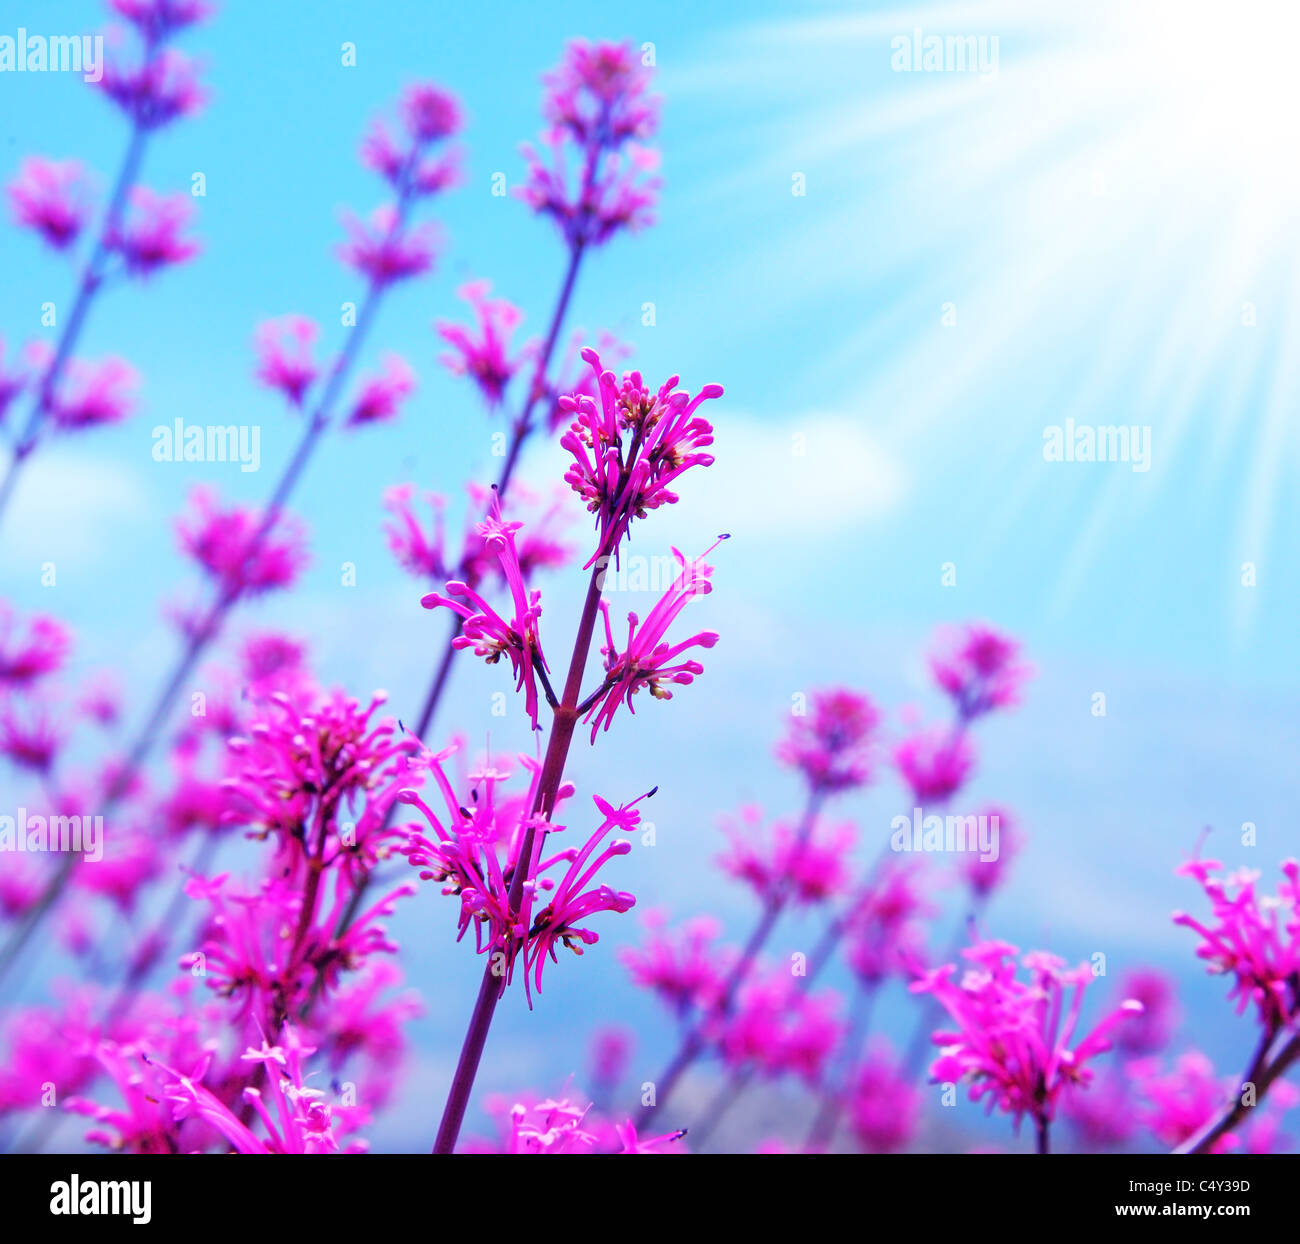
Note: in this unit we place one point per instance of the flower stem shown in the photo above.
(548, 784)
(1043, 1140)
(694, 1043)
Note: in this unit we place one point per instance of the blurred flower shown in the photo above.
(883, 1106)
(483, 355)
(979, 668)
(51, 197)
(94, 394)
(232, 548)
(381, 395)
(1013, 1041)
(831, 745)
(885, 936)
(284, 348)
(983, 876)
(1254, 939)
(157, 18)
(158, 90)
(807, 863)
(150, 238)
(385, 250)
(32, 650)
(935, 763)
(687, 969)
(1150, 1032)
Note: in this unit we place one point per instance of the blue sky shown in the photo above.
(1092, 222)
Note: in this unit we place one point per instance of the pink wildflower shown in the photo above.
(1150, 1032)
(831, 745)
(94, 394)
(383, 394)
(980, 669)
(686, 969)
(156, 18)
(230, 546)
(430, 113)
(50, 197)
(885, 935)
(151, 237)
(1254, 939)
(419, 552)
(30, 652)
(284, 348)
(935, 763)
(983, 876)
(808, 867)
(485, 630)
(483, 355)
(630, 447)
(884, 1107)
(646, 660)
(383, 249)
(1015, 1042)
(156, 91)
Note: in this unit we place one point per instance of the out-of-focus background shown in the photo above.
(909, 276)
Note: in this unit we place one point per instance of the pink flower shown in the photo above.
(979, 668)
(30, 652)
(31, 735)
(430, 113)
(157, 91)
(611, 1047)
(646, 660)
(808, 867)
(284, 349)
(156, 18)
(884, 1107)
(485, 630)
(596, 103)
(1015, 1041)
(1179, 1103)
(483, 356)
(50, 197)
(620, 481)
(779, 1029)
(831, 745)
(686, 969)
(418, 552)
(385, 250)
(1150, 1032)
(94, 394)
(130, 861)
(885, 935)
(935, 763)
(1253, 939)
(233, 549)
(984, 876)
(550, 1126)
(383, 394)
(150, 238)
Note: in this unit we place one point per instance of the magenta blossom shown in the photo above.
(884, 925)
(1252, 938)
(230, 546)
(808, 866)
(483, 354)
(30, 651)
(150, 238)
(382, 395)
(778, 1029)
(94, 394)
(156, 18)
(383, 249)
(831, 744)
(1015, 1041)
(1150, 1032)
(646, 660)
(980, 669)
(935, 763)
(687, 969)
(485, 630)
(155, 91)
(984, 876)
(630, 446)
(884, 1106)
(597, 104)
(284, 355)
(50, 197)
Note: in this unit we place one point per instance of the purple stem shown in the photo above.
(694, 1042)
(557, 751)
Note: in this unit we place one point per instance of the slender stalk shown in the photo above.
(209, 628)
(564, 720)
(1262, 1075)
(1041, 1129)
(693, 1043)
(732, 1088)
(92, 279)
(835, 1093)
